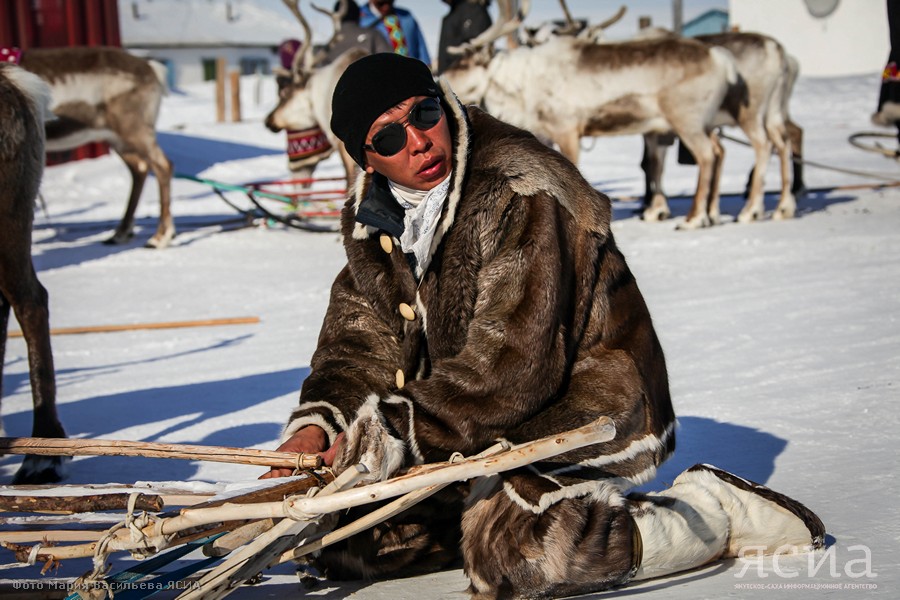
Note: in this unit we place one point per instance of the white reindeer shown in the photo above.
(304, 104)
(23, 104)
(106, 94)
(568, 88)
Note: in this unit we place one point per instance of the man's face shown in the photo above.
(423, 161)
(383, 6)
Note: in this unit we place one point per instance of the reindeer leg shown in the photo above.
(4, 323)
(162, 169)
(715, 216)
(28, 298)
(787, 204)
(138, 169)
(656, 206)
(795, 135)
(570, 145)
(701, 146)
(754, 209)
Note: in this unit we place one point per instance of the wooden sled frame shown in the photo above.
(260, 530)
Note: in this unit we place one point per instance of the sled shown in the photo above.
(245, 534)
(295, 203)
(870, 142)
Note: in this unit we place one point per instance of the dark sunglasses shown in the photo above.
(391, 138)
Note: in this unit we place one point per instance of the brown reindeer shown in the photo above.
(108, 95)
(569, 88)
(23, 102)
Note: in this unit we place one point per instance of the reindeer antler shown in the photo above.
(337, 18)
(501, 27)
(303, 59)
(571, 27)
(593, 30)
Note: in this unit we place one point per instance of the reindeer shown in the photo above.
(304, 104)
(106, 94)
(568, 88)
(758, 105)
(23, 103)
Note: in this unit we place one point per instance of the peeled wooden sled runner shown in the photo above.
(249, 533)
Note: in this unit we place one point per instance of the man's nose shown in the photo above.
(418, 139)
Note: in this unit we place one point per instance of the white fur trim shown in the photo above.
(648, 443)
(386, 457)
(313, 419)
(411, 439)
(605, 491)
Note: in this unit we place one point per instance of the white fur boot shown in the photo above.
(710, 514)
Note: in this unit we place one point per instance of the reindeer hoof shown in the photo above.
(119, 238)
(694, 223)
(784, 212)
(655, 215)
(160, 240)
(749, 216)
(38, 470)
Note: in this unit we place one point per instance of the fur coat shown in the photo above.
(526, 323)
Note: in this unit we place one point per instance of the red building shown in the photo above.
(28, 24)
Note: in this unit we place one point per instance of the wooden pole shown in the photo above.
(78, 504)
(92, 447)
(138, 326)
(235, 96)
(220, 90)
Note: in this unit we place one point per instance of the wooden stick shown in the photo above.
(138, 326)
(92, 447)
(122, 538)
(78, 504)
(378, 515)
(301, 508)
(601, 430)
(255, 556)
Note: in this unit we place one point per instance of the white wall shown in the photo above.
(189, 61)
(852, 40)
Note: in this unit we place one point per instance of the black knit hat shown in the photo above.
(368, 88)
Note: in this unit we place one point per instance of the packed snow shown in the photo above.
(782, 338)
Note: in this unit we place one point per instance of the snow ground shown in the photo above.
(782, 338)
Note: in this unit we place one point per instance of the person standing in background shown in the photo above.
(354, 35)
(397, 25)
(466, 19)
(888, 113)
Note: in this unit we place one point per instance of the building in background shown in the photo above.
(188, 36)
(712, 21)
(830, 38)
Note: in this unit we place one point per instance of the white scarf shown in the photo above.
(423, 208)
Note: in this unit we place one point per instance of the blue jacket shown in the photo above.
(415, 41)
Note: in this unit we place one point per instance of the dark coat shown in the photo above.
(527, 321)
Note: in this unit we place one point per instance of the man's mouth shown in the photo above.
(432, 167)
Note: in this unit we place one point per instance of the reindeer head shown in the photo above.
(299, 110)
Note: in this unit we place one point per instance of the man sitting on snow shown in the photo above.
(484, 298)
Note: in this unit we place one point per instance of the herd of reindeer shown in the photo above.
(561, 83)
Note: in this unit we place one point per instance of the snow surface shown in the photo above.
(782, 338)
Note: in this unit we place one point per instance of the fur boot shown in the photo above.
(710, 514)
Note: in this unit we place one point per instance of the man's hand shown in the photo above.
(310, 439)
